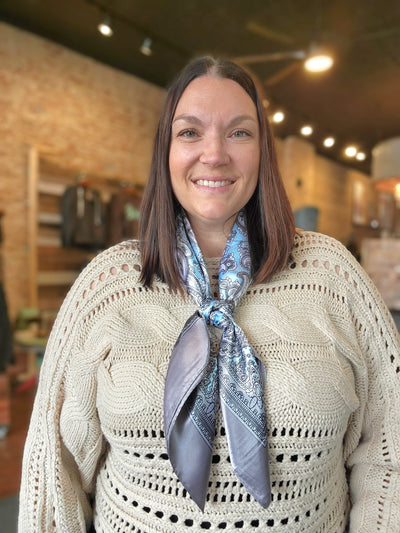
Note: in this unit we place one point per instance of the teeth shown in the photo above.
(207, 183)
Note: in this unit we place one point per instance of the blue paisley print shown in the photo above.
(199, 379)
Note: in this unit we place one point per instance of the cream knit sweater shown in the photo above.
(96, 447)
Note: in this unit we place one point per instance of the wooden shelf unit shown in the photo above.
(53, 267)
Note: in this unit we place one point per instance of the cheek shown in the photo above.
(177, 172)
(179, 162)
(253, 168)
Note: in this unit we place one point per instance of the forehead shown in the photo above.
(210, 93)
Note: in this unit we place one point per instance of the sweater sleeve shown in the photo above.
(64, 441)
(374, 461)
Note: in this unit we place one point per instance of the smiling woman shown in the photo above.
(214, 157)
(225, 373)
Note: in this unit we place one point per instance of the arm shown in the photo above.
(375, 459)
(64, 441)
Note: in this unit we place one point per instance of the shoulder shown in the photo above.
(109, 272)
(319, 248)
(324, 260)
(118, 265)
(311, 242)
(125, 254)
(319, 258)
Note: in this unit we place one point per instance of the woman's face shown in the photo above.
(215, 152)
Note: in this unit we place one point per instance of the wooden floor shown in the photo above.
(12, 445)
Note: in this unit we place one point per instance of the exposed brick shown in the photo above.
(94, 118)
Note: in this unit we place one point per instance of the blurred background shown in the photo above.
(82, 84)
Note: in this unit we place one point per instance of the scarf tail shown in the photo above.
(249, 457)
(188, 451)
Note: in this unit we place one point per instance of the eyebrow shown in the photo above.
(196, 120)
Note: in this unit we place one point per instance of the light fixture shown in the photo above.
(318, 59)
(360, 156)
(104, 26)
(306, 130)
(329, 142)
(386, 167)
(278, 116)
(397, 194)
(146, 47)
(351, 151)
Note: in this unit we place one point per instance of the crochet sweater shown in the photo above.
(96, 448)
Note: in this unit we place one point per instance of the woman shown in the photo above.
(228, 373)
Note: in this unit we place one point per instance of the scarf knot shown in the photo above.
(218, 313)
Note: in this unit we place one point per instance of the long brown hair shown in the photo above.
(270, 222)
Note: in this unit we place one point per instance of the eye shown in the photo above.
(240, 133)
(187, 133)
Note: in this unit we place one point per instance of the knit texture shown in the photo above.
(96, 445)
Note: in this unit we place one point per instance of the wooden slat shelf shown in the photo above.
(53, 267)
(50, 219)
(51, 188)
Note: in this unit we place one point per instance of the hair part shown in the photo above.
(270, 221)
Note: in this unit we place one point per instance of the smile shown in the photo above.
(213, 183)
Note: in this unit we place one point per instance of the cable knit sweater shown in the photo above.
(96, 449)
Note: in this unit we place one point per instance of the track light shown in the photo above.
(105, 26)
(329, 142)
(146, 47)
(318, 59)
(351, 151)
(306, 130)
(278, 116)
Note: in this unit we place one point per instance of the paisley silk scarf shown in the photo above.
(198, 379)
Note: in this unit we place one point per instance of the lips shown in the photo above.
(212, 183)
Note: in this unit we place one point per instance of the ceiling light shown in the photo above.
(306, 130)
(146, 47)
(277, 117)
(105, 27)
(329, 142)
(318, 63)
(351, 151)
(318, 59)
(361, 156)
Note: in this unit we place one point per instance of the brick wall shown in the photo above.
(94, 118)
(311, 179)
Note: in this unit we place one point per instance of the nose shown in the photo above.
(214, 151)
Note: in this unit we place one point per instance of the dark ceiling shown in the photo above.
(357, 101)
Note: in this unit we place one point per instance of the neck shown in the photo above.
(212, 240)
(211, 245)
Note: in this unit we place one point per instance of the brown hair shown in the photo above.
(270, 222)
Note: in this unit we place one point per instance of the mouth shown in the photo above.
(212, 183)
